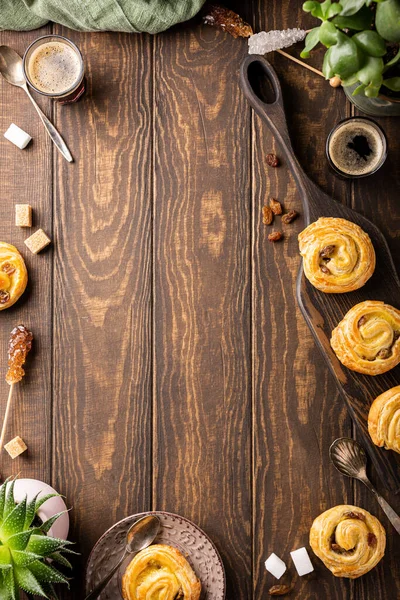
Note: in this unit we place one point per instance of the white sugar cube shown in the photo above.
(17, 136)
(275, 566)
(302, 561)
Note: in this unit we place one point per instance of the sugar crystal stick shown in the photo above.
(18, 347)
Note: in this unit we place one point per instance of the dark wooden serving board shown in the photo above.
(322, 311)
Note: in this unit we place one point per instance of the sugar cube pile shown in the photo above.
(302, 561)
(17, 136)
(275, 566)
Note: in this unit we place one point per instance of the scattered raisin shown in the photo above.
(276, 206)
(384, 353)
(268, 215)
(4, 297)
(8, 268)
(279, 590)
(362, 321)
(339, 549)
(355, 515)
(227, 20)
(325, 270)
(327, 251)
(272, 160)
(371, 539)
(275, 236)
(289, 217)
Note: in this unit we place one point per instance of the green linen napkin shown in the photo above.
(133, 16)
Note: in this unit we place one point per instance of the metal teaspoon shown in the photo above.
(350, 459)
(140, 535)
(12, 71)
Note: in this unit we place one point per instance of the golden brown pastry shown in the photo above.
(13, 275)
(160, 572)
(367, 338)
(349, 540)
(384, 420)
(338, 256)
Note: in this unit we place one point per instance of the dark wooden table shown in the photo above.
(172, 368)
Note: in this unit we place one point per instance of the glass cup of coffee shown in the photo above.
(53, 66)
(356, 147)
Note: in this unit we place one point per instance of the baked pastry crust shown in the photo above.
(348, 539)
(338, 256)
(13, 275)
(384, 420)
(160, 571)
(367, 339)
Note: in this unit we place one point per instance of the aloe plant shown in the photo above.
(27, 554)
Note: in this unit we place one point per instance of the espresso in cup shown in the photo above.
(356, 147)
(53, 66)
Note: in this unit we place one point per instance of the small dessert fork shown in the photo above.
(350, 459)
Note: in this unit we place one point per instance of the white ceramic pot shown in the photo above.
(31, 487)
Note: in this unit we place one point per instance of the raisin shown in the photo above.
(371, 539)
(8, 268)
(289, 217)
(327, 251)
(276, 206)
(362, 321)
(275, 236)
(355, 515)
(384, 353)
(268, 215)
(325, 269)
(272, 160)
(4, 297)
(279, 590)
(339, 549)
(226, 20)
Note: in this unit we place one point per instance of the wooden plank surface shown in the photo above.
(102, 282)
(202, 409)
(173, 369)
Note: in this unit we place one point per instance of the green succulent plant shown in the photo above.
(361, 37)
(27, 553)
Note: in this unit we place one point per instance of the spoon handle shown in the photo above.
(104, 582)
(387, 509)
(51, 130)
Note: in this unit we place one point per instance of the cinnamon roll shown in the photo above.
(384, 420)
(348, 539)
(367, 338)
(338, 256)
(160, 572)
(13, 275)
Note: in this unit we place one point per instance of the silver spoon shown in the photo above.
(139, 536)
(12, 71)
(350, 459)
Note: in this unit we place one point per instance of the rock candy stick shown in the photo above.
(18, 348)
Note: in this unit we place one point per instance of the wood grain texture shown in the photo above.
(202, 411)
(26, 177)
(296, 408)
(102, 282)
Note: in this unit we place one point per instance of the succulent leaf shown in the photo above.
(19, 541)
(9, 503)
(43, 545)
(15, 521)
(10, 585)
(47, 525)
(5, 557)
(30, 512)
(3, 489)
(47, 574)
(60, 559)
(23, 559)
(44, 499)
(27, 581)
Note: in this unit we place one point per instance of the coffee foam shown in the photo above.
(346, 159)
(54, 67)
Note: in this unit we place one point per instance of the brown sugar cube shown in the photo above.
(23, 215)
(16, 447)
(37, 241)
